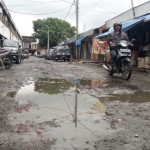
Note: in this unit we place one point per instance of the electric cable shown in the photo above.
(97, 11)
(33, 4)
(92, 5)
(38, 14)
(101, 6)
(69, 108)
(69, 9)
(47, 2)
(37, 1)
(47, 7)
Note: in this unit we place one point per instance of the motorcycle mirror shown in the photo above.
(133, 40)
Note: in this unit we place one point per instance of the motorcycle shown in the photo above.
(123, 62)
(6, 58)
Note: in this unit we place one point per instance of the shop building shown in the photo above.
(29, 43)
(8, 29)
(82, 47)
(139, 29)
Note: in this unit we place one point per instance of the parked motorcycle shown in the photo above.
(123, 61)
(6, 58)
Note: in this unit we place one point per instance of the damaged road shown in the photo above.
(37, 101)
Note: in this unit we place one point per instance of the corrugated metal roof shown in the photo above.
(126, 26)
(147, 18)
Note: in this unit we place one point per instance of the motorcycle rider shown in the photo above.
(114, 38)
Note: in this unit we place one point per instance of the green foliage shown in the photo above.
(59, 31)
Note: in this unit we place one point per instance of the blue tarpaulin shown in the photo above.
(78, 42)
(126, 26)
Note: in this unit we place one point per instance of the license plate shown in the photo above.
(125, 50)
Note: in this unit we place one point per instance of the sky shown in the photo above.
(92, 13)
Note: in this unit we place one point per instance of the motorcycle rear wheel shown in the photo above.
(127, 70)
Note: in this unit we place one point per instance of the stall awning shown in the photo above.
(147, 18)
(78, 42)
(125, 26)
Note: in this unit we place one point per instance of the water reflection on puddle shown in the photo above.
(41, 86)
(137, 97)
(47, 100)
(100, 84)
(90, 83)
(114, 91)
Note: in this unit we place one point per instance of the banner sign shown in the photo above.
(99, 47)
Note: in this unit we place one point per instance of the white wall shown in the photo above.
(4, 31)
(34, 45)
(139, 11)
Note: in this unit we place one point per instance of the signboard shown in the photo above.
(99, 46)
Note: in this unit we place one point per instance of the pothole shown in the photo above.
(46, 108)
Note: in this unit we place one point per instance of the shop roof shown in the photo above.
(127, 26)
(129, 15)
(147, 18)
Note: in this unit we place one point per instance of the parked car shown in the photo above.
(25, 54)
(61, 53)
(42, 54)
(48, 54)
(14, 48)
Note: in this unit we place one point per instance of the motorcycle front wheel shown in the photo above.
(127, 70)
(8, 64)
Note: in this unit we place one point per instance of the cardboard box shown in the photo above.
(147, 66)
(134, 61)
(141, 62)
(147, 62)
(134, 54)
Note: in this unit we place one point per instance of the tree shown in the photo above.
(59, 31)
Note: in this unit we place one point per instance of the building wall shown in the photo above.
(34, 45)
(4, 31)
(128, 15)
(29, 42)
(7, 27)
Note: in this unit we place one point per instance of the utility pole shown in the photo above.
(77, 23)
(48, 40)
(133, 8)
(77, 17)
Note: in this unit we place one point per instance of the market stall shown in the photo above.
(141, 51)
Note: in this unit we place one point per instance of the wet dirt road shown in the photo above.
(37, 105)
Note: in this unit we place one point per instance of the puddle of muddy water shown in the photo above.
(82, 83)
(115, 91)
(44, 104)
(137, 97)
